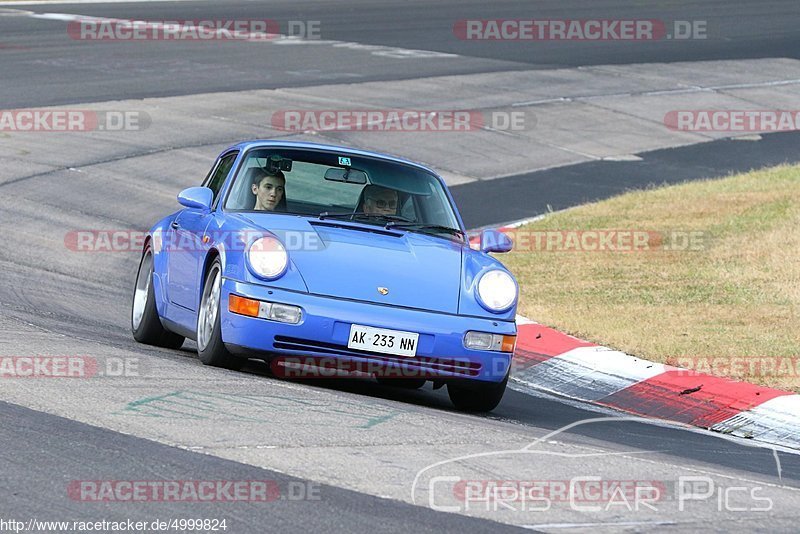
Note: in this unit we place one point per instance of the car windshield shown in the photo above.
(327, 185)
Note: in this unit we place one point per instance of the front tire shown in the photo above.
(146, 327)
(477, 398)
(210, 347)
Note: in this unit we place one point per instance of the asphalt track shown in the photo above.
(48, 68)
(487, 203)
(26, 434)
(363, 443)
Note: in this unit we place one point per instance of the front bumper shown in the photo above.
(324, 330)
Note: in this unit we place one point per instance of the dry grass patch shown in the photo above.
(735, 299)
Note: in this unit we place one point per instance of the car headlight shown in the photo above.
(267, 258)
(497, 291)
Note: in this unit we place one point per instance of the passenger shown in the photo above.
(269, 189)
(380, 200)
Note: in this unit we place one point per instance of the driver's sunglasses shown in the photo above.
(381, 203)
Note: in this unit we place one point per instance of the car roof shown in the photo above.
(266, 143)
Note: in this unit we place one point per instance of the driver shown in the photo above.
(268, 189)
(380, 201)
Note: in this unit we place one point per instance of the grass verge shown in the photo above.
(714, 285)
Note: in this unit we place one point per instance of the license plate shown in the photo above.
(382, 340)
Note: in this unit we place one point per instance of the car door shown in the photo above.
(188, 253)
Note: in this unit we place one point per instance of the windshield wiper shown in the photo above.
(424, 226)
(352, 215)
(336, 215)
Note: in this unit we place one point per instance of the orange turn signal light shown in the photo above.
(243, 306)
(509, 343)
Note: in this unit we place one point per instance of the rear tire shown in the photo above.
(477, 398)
(210, 347)
(146, 326)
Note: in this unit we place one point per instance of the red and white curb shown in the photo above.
(555, 362)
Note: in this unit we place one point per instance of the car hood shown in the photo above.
(353, 261)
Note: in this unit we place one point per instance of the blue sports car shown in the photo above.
(317, 257)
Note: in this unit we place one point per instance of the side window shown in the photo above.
(217, 177)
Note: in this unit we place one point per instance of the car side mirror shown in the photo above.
(198, 198)
(495, 241)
